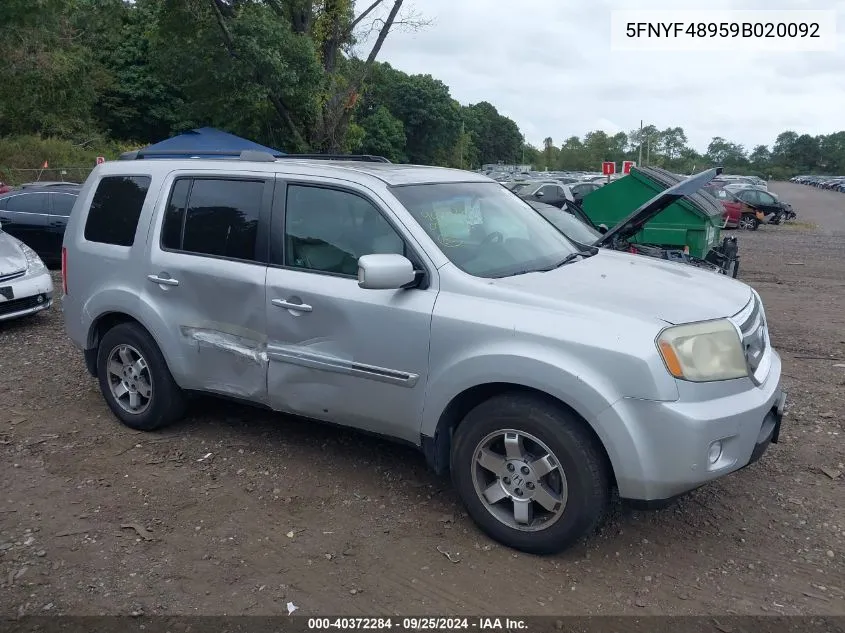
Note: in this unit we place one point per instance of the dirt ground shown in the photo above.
(239, 511)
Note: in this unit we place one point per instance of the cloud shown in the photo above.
(547, 64)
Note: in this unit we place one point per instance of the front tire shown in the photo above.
(529, 473)
(748, 222)
(135, 380)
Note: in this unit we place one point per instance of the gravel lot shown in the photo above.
(240, 511)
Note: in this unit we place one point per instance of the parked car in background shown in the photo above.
(555, 194)
(25, 283)
(427, 305)
(732, 206)
(37, 215)
(4, 188)
(772, 209)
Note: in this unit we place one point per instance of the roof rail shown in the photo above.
(249, 155)
(364, 158)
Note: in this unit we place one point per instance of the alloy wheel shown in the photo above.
(129, 379)
(519, 480)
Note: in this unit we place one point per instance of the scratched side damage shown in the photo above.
(243, 356)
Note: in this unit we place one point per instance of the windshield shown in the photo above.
(484, 229)
(568, 224)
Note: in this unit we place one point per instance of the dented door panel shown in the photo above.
(358, 358)
(217, 320)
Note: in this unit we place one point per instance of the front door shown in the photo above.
(25, 217)
(348, 355)
(206, 277)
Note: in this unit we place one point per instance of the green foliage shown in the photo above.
(382, 135)
(50, 81)
(22, 157)
(77, 73)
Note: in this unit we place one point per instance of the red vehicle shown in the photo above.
(4, 188)
(732, 206)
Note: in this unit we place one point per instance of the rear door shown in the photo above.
(351, 356)
(205, 276)
(61, 204)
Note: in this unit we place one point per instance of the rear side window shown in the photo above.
(216, 217)
(115, 210)
(63, 203)
(29, 203)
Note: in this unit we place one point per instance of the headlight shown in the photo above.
(702, 352)
(33, 261)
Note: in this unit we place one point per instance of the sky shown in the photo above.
(548, 65)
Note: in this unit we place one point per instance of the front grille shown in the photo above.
(755, 337)
(17, 305)
(10, 276)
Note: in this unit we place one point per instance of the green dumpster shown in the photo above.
(694, 221)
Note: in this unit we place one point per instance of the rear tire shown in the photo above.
(135, 380)
(545, 482)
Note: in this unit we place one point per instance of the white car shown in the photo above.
(25, 283)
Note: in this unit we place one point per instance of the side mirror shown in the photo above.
(539, 194)
(384, 271)
(603, 228)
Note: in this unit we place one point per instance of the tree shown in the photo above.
(672, 141)
(726, 154)
(286, 54)
(496, 137)
(382, 135)
(431, 118)
(50, 80)
(760, 158)
(572, 154)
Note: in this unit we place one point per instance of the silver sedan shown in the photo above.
(25, 283)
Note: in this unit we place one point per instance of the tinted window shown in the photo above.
(550, 191)
(29, 203)
(328, 230)
(220, 219)
(174, 216)
(115, 209)
(62, 203)
(765, 198)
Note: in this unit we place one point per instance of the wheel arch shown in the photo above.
(107, 320)
(437, 448)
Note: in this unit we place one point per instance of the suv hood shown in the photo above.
(644, 287)
(12, 259)
(632, 224)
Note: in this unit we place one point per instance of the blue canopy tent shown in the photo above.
(207, 142)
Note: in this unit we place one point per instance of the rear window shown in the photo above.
(115, 209)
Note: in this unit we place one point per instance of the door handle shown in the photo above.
(165, 281)
(300, 307)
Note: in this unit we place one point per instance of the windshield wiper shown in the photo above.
(566, 260)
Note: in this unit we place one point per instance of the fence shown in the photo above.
(17, 176)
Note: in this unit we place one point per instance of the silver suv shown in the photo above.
(429, 305)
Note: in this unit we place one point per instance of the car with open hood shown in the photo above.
(428, 305)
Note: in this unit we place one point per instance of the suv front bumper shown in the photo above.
(660, 450)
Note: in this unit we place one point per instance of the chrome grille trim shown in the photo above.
(754, 331)
(10, 276)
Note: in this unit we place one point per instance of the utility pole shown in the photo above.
(640, 160)
(462, 144)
